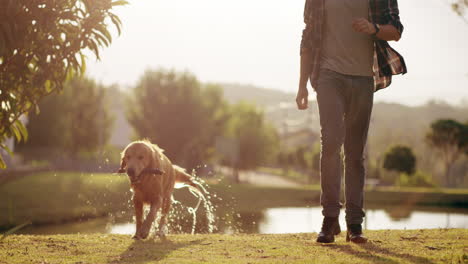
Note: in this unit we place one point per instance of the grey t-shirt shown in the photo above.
(345, 50)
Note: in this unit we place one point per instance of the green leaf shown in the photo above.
(74, 62)
(48, 86)
(7, 149)
(83, 63)
(101, 39)
(116, 18)
(119, 3)
(94, 48)
(15, 132)
(103, 30)
(70, 73)
(24, 132)
(116, 21)
(2, 162)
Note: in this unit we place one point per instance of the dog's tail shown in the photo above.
(181, 176)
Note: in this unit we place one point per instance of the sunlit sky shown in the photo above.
(257, 42)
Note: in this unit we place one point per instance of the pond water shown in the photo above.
(286, 220)
(299, 220)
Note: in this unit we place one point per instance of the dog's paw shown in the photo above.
(161, 235)
(162, 232)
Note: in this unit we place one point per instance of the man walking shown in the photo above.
(345, 54)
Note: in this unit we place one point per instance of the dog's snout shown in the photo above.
(131, 172)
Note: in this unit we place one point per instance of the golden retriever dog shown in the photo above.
(152, 177)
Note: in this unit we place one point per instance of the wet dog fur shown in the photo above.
(139, 159)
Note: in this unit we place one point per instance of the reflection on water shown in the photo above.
(126, 228)
(277, 220)
(299, 220)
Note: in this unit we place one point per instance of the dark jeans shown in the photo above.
(345, 106)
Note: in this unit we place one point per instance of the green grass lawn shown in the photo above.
(389, 247)
(290, 174)
(59, 197)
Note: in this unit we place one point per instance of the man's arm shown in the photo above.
(386, 32)
(302, 93)
(305, 67)
(306, 52)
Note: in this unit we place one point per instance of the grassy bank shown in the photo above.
(290, 174)
(48, 198)
(418, 246)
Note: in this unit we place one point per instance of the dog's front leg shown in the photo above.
(138, 205)
(146, 227)
(166, 206)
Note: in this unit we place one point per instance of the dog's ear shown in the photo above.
(123, 165)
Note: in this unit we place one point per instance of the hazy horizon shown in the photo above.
(257, 43)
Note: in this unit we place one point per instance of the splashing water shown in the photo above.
(204, 197)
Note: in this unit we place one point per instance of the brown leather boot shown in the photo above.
(354, 234)
(330, 228)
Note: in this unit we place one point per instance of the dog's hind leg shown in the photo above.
(146, 227)
(166, 206)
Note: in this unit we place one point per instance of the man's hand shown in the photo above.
(302, 98)
(362, 25)
(386, 32)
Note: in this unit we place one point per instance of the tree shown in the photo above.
(41, 45)
(282, 160)
(74, 121)
(450, 138)
(400, 158)
(176, 112)
(300, 158)
(258, 141)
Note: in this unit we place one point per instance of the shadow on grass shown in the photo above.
(143, 251)
(374, 253)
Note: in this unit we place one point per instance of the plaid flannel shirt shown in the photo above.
(387, 61)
